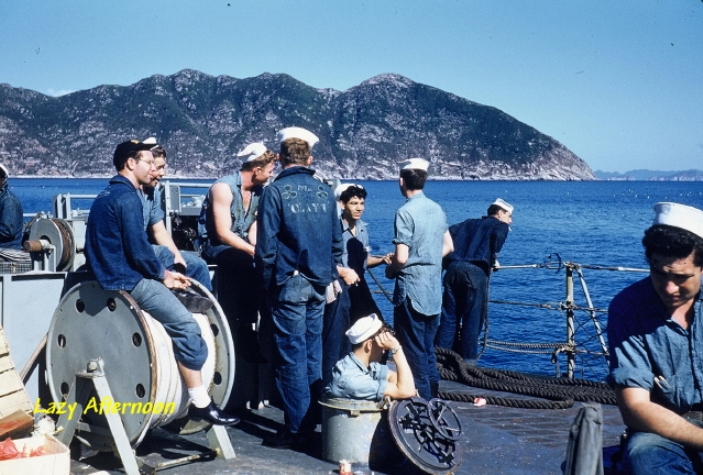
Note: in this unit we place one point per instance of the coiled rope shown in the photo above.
(555, 393)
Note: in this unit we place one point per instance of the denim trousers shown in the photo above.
(196, 268)
(416, 333)
(649, 453)
(463, 309)
(188, 346)
(335, 323)
(297, 311)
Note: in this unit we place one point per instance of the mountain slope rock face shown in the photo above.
(203, 121)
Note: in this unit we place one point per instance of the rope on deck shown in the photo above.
(555, 393)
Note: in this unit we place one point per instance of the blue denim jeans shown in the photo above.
(188, 346)
(297, 316)
(649, 453)
(196, 268)
(336, 321)
(416, 332)
(463, 309)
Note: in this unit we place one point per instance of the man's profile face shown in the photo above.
(144, 169)
(353, 209)
(676, 281)
(159, 172)
(505, 216)
(263, 174)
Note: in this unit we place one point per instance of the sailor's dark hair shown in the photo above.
(414, 179)
(493, 210)
(669, 241)
(353, 192)
(158, 151)
(294, 151)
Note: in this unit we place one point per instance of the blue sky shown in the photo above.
(619, 82)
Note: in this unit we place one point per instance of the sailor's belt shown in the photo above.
(696, 413)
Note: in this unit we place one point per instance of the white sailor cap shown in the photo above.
(151, 141)
(342, 188)
(364, 328)
(297, 133)
(414, 163)
(252, 151)
(679, 216)
(5, 173)
(504, 204)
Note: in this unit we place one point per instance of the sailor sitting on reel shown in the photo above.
(119, 255)
(361, 375)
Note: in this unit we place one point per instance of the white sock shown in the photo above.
(198, 396)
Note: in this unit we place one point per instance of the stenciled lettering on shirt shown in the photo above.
(308, 208)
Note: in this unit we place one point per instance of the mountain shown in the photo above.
(651, 175)
(203, 121)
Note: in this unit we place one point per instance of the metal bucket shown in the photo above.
(354, 430)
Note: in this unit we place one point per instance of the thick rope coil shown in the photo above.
(557, 393)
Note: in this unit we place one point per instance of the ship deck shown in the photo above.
(495, 440)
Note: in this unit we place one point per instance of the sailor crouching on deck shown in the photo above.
(361, 375)
(655, 335)
(121, 258)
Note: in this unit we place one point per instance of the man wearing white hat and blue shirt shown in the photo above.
(227, 237)
(421, 241)
(655, 335)
(299, 246)
(360, 374)
(468, 269)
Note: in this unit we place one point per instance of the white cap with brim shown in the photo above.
(341, 189)
(252, 151)
(151, 141)
(3, 170)
(679, 216)
(364, 328)
(415, 164)
(297, 133)
(504, 204)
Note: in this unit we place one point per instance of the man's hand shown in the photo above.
(178, 259)
(175, 280)
(348, 275)
(387, 341)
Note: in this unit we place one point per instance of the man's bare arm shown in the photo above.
(640, 413)
(221, 200)
(447, 244)
(399, 385)
(162, 237)
(400, 258)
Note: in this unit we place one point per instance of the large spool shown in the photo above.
(138, 361)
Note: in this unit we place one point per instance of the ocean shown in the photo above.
(594, 224)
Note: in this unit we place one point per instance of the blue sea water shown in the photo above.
(588, 223)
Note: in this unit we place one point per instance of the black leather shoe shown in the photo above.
(213, 414)
(284, 439)
(193, 302)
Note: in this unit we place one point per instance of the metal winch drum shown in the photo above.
(137, 359)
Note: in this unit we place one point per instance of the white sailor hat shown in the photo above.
(364, 328)
(252, 151)
(151, 141)
(342, 188)
(3, 170)
(414, 163)
(504, 204)
(297, 133)
(679, 216)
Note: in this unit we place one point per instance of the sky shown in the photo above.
(618, 82)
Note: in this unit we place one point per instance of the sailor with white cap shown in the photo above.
(360, 374)
(655, 336)
(477, 243)
(11, 220)
(421, 240)
(299, 245)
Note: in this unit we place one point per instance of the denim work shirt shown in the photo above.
(151, 203)
(242, 218)
(11, 220)
(420, 224)
(477, 241)
(352, 380)
(644, 343)
(356, 248)
(116, 247)
(298, 230)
